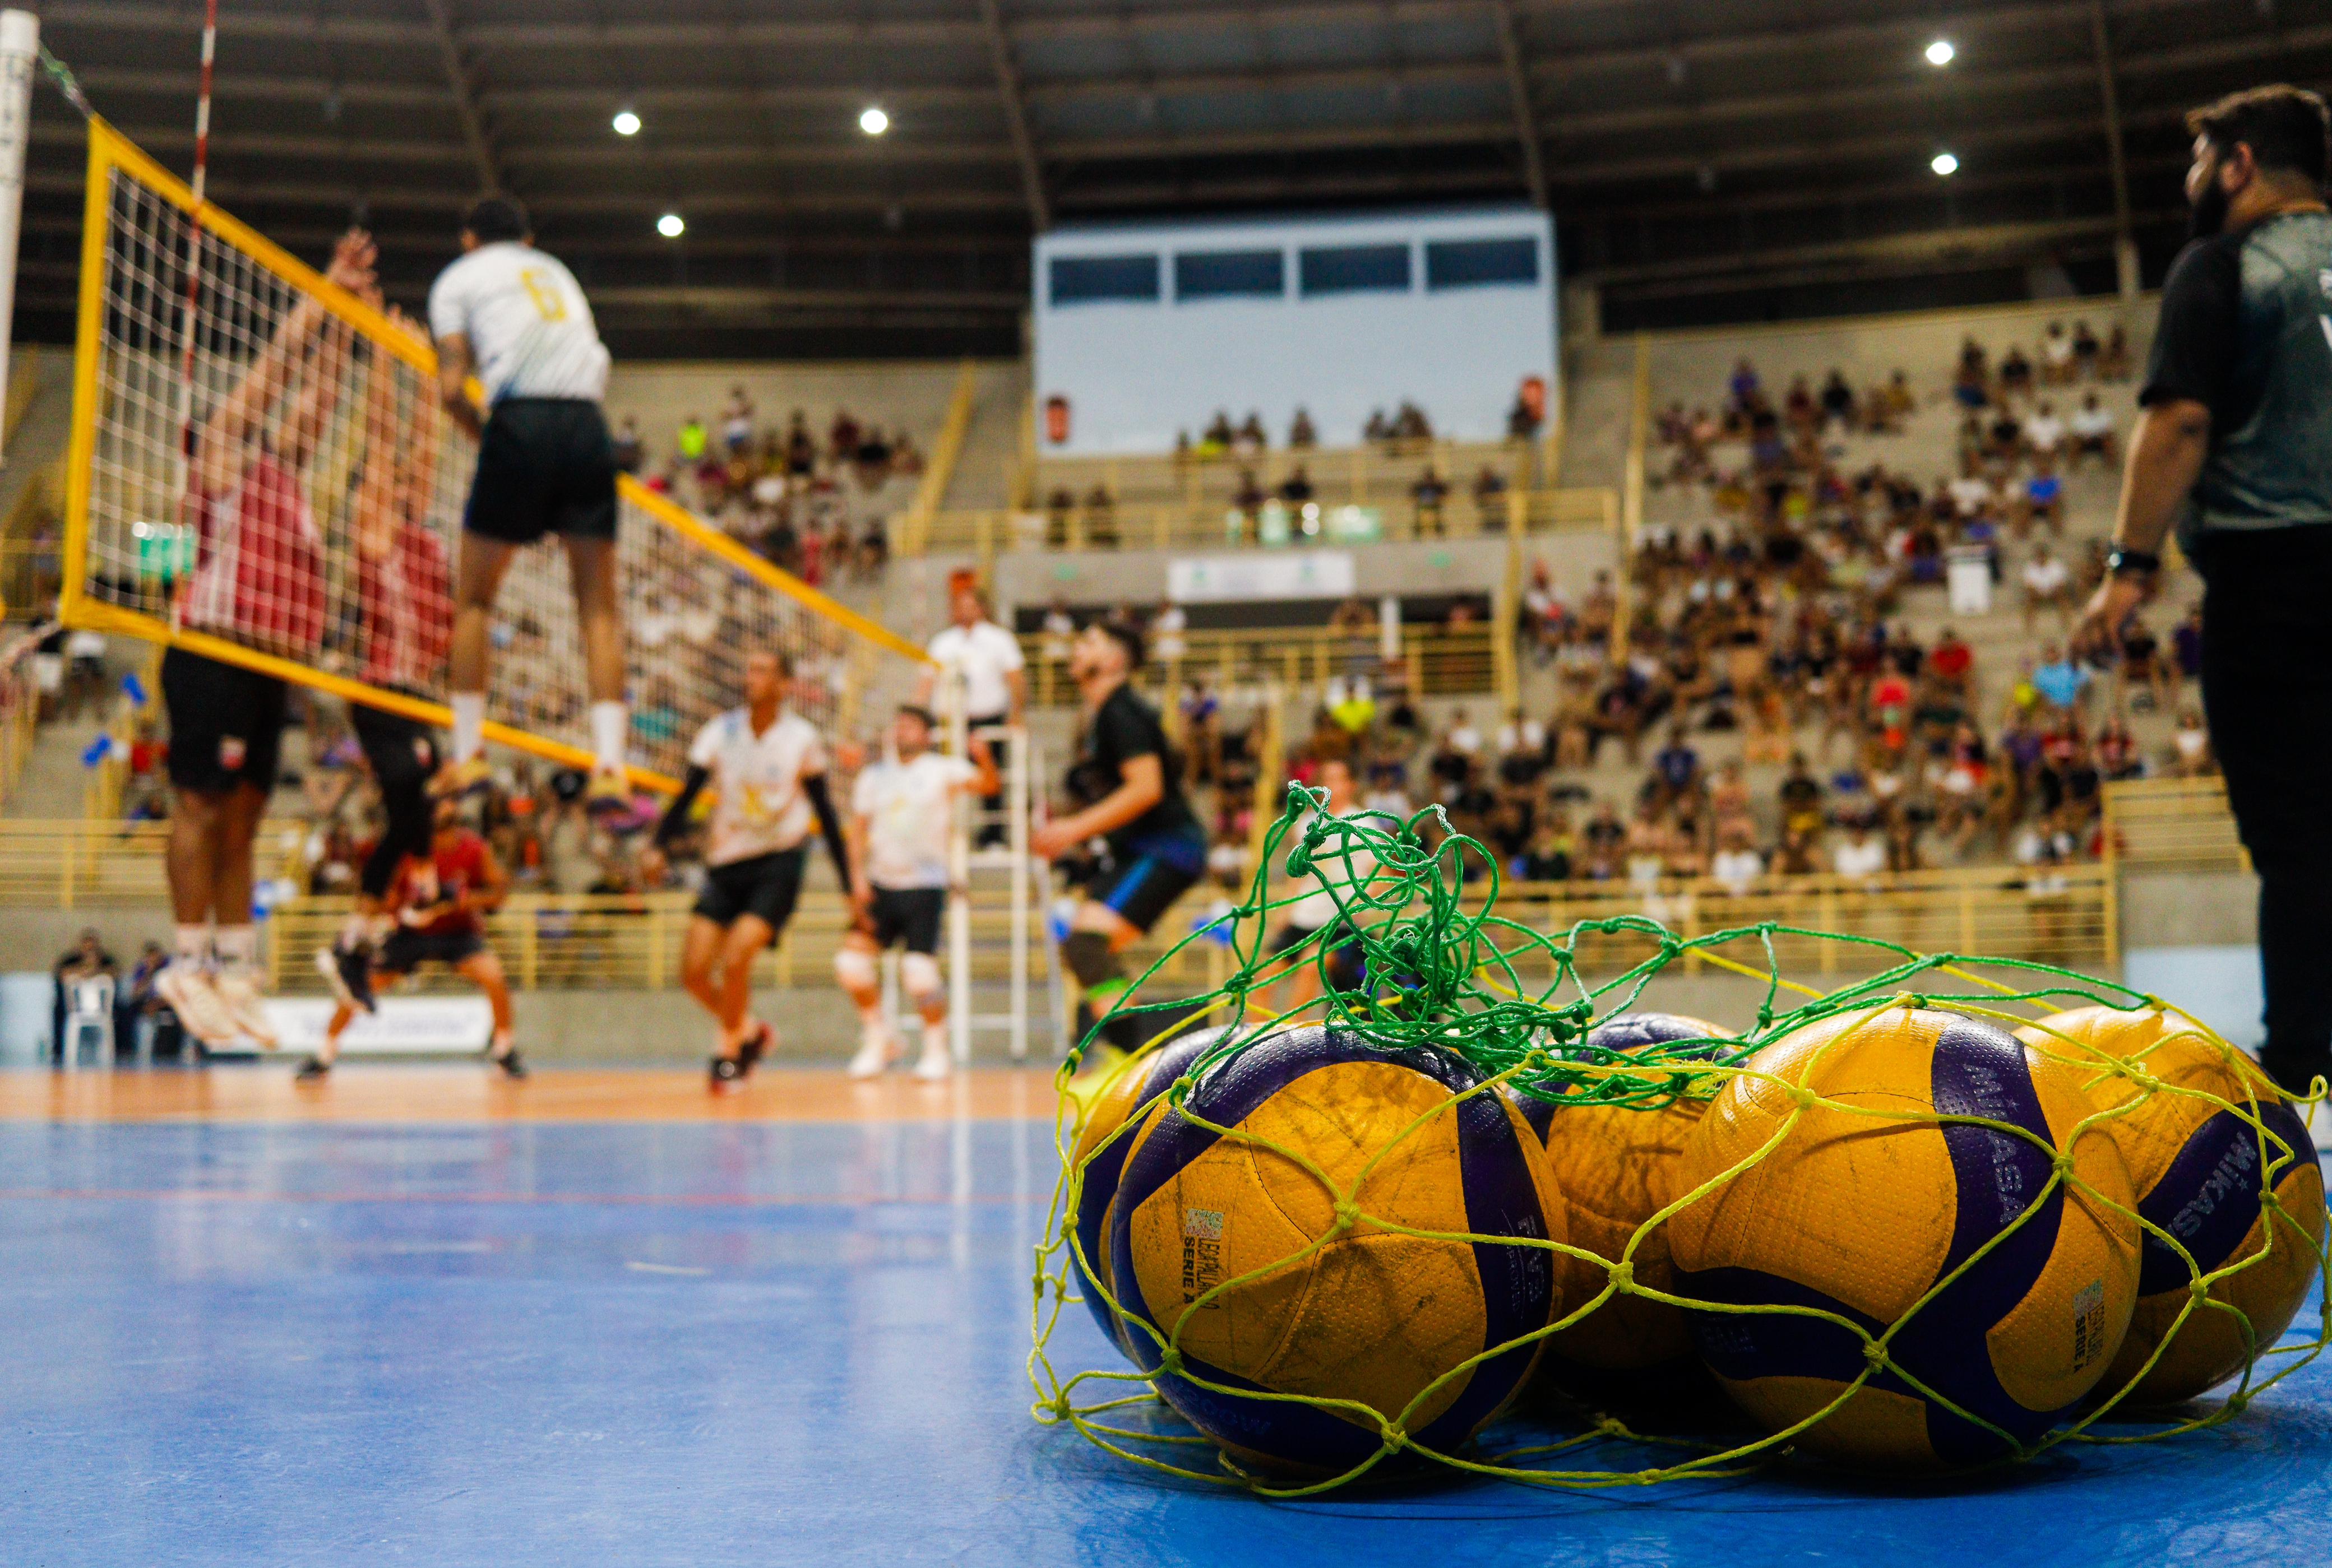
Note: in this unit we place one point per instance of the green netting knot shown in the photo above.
(1804, 1098)
(1170, 1362)
(2063, 1164)
(2198, 1286)
(1348, 1213)
(1873, 1351)
(1623, 1274)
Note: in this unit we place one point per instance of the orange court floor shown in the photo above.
(365, 1092)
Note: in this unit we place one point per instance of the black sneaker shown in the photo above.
(349, 972)
(726, 1071)
(513, 1065)
(315, 1070)
(754, 1046)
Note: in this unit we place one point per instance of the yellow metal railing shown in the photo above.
(2166, 824)
(1383, 471)
(1438, 661)
(939, 471)
(69, 862)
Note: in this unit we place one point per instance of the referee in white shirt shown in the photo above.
(987, 657)
(517, 319)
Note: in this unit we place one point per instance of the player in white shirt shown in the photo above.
(517, 319)
(899, 826)
(766, 768)
(987, 659)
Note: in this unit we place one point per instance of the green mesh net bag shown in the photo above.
(1418, 1191)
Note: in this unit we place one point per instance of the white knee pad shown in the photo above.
(855, 967)
(919, 976)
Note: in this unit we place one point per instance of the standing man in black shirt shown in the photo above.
(2233, 445)
(1130, 784)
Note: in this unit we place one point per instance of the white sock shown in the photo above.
(356, 928)
(872, 1030)
(611, 731)
(469, 724)
(191, 947)
(237, 947)
(935, 1037)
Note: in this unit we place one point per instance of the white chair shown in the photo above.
(89, 1015)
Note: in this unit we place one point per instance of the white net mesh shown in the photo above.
(269, 468)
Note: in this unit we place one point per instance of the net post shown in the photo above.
(1016, 806)
(20, 51)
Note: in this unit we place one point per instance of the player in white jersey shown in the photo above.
(898, 827)
(517, 319)
(767, 768)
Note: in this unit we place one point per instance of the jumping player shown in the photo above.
(404, 597)
(1157, 850)
(768, 770)
(899, 822)
(546, 465)
(440, 898)
(259, 581)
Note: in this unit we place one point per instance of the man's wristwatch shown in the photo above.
(2134, 563)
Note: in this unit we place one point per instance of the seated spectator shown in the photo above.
(2191, 746)
(906, 458)
(1552, 851)
(2113, 359)
(1490, 497)
(691, 440)
(1800, 796)
(1429, 491)
(2040, 498)
(1456, 749)
(1862, 855)
(1249, 439)
(1378, 430)
(1301, 436)
(1101, 517)
(2062, 682)
(1297, 488)
(2044, 432)
(1522, 750)
(1058, 630)
(2092, 430)
(737, 423)
(2015, 372)
(2056, 355)
(1837, 401)
(1950, 660)
(801, 448)
(1972, 379)
(1743, 387)
(1736, 865)
(2047, 582)
(1167, 629)
(1677, 767)
(841, 437)
(631, 450)
(86, 959)
(2085, 349)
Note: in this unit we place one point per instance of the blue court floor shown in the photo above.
(696, 1344)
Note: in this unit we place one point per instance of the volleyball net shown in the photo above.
(261, 473)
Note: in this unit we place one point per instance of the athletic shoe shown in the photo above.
(755, 1046)
(201, 1010)
(726, 1071)
(609, 795)
(315, 1070)
(875, 1052)
(935, 1064)
(241, 993)
(513, 1065)
(475, 776)
(349, 972)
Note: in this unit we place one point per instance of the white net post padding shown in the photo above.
(314, 532)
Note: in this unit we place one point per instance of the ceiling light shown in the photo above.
(671, 226)
(1940, 51)
(1944, 163)
(626, 123)
(873, 121)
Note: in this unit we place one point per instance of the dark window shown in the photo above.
(1473, 264)
(1081, 280)
(1220, 275)
(1350, 269)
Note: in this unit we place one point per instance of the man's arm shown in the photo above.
(2166, 449)
(1142, 786)
(240, 414)
(829, 827)
(985, 780)
(455, 364)
(487, 898)
(1016, 679)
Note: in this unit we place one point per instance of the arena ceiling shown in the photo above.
(1706, 160)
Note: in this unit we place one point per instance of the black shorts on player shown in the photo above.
(546, 465)
(766, 886)
(226, 724)
(407, 950)
(1141, 888)
(909, 917)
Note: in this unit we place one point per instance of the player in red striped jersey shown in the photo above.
(259, 583)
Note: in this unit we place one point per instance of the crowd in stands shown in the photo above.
(813, 505)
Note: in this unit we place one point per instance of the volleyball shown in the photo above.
(2198, 1168)
(1864, 1204)
(1616, 1166)
(1101, 1156)
(1267, 1258)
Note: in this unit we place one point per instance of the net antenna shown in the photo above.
(194, 263)
(20, 52)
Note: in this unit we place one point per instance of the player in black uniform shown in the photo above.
(1157, 850)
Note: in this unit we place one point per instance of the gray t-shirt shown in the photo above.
(2246, 331)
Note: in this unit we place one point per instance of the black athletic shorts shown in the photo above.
(406, 950)
(545, 466)
(766, 885)
(909, 916)
(1345, 967)
(1143, 889)
(226, 723)
(403, 752)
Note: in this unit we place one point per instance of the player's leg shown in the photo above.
(1117, 911)
(403, 754)
(478, 581)
(596, 574)
(397, 957)
(483, 969)
(744, 1039)
(857, 968)
(700, 954)
(919, 978)
(256, 707)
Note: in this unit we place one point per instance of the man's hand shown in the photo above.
(2109, 608)
(862, 893)
(1054, 839)
(653, 866)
